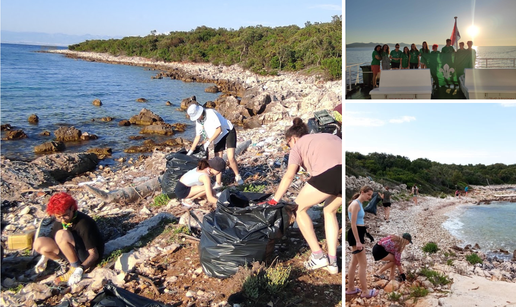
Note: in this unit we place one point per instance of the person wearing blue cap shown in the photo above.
(389, 249)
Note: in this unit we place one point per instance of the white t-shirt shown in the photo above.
(213, 120)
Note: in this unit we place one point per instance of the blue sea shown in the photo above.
(491, 226)
(363, 55)
(60, 92)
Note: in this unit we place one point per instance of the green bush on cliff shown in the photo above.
(432, 178)
(431, 248)
(263, 50)
(474, 259)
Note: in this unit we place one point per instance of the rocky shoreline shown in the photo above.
(262, 164)
(425, 223)
(290, 94)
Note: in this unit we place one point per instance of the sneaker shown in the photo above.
(238, 180)
(68, 276)
(187, 202)
(313, 264)
(217, 186)
(332, 268)
(41, 266)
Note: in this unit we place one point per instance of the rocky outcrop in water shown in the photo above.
(53, 146)
(14, 135)
(68, 134)
(145, 117)
(33, 119)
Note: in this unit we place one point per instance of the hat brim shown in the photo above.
(196, 116)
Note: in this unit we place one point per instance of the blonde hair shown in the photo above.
(399, 242)
(363, 189)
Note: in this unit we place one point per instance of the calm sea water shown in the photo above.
(61, 90)
(491, 226)
(361, 55)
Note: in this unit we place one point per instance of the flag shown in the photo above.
(455, 35)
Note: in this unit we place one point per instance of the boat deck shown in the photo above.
(444, 92)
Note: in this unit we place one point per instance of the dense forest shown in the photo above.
(432, 177)
(315, 48)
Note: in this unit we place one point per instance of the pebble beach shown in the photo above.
(491, 283)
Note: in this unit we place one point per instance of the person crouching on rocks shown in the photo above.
(217, 130)
(75, 238)
(356, 239)
(321, 155)
(389, 249)
(196, 183)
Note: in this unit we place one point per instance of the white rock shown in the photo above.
(24, 211)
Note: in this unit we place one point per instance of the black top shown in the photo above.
(387, 197)
(85, 228)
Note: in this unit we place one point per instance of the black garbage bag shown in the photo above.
(240, 232)
(114, 296)
(178, 164)
(371, 206)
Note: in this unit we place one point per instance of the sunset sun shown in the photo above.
(473, 31)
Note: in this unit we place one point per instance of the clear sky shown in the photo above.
(450, 133)
(119, 18)
(410, 21)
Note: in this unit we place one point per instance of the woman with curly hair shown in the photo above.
(375, 63)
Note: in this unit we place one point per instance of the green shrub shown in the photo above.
(393, 296)
(160, 200)
(418, 292)
(254, 188)
(271, 281)
(474, 259)
(435, 277)
(277, 279)
(182, 229)
(449, 262)
(16, 289)
(253, 285)
(430, 247)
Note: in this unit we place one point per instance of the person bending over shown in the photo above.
(389, 249)
(321, 155)
(196, 182)
(217, 130)
(75, 239)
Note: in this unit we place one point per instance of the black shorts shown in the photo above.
(182, 190)
(80, 249)
(229, 141)
(413, 65)
(379, 252)
(361, 234)
(329, 182)
(395, 65)
(386, 204)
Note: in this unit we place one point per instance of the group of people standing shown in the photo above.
(423, 58)
(388, 249)
(76, 241)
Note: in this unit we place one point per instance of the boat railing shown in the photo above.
(349, 78)
(495, 62)
(351, 69)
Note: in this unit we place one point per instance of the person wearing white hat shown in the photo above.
(216, 129)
